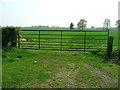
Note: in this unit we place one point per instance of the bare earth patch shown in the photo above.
(107, 67)
(103, 75)
(64, 78)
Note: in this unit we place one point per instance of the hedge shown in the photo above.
(9, 36)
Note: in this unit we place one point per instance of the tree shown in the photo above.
(82, 24)
(71, 26)
(106, 24)
(10, 35)
(118, 24)
(92, 27)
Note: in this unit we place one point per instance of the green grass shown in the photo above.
(56, 69)
(114, 34)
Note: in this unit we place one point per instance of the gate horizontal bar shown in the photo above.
(50, 47)
(29, 41)
(87, 47)
(68, 38)
(62, 42)
(72, 35)
(71, 30)
(60, 45)
(65, 50)
(63, 35)
(29, 34)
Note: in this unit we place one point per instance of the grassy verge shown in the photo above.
(56, 69)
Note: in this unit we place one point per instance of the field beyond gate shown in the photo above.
(65, 40)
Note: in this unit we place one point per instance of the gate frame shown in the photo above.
(109, 40)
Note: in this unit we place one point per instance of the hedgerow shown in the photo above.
(9, 36)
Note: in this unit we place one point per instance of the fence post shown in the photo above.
(108, 33)
(109, 46)
(39, 39)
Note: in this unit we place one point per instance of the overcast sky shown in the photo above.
(57, 12)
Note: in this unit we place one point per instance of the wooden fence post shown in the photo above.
(109, 46)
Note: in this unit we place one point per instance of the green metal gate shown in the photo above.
(64, 40)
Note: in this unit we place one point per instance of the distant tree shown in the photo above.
(71, 26)
(92, 27)
(82, 24)
(106, 24)
(39, 26)
(118, 24)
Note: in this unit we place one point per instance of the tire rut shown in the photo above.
(103, 75)
(64, 78)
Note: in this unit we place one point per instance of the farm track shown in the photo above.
(103, 75)
(56, 69)
(65, 78)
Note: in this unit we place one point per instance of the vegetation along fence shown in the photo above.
(66, 40)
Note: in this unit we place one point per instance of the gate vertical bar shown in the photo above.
(85, 41)
(39, 39)
(61, 40)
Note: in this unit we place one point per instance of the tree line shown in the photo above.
(83, 23)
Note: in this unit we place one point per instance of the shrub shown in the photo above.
(116, 55)
(9, 36)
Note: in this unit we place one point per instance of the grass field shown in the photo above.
(57, 69)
